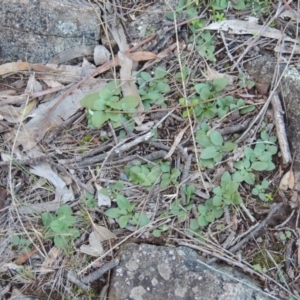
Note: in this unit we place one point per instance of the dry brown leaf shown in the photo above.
(176, 142)
(103, 233)
(15, 67)
(287, 181)
(94, 248)
(99, 235)
(142, 56)
(245, 27)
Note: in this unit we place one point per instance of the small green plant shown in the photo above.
(244, 82)
(228, 103)
(89, 201)
(60, 226)
(107, 105)
(153, 89)
(259, 268)
(189, 191)
(214, 147)
(200, 106)
(260, 190)
(21, 243)
(224, 195)
(283, 236)
(205, 44)
(157, 232)
(125, 215)
(257, 159)
(148, 174)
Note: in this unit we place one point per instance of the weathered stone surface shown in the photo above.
(151, 19)
(37, 30)
(151, 272)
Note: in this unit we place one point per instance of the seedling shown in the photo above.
(60, 226)
(257, 159)
(148, 174)
(260, 189)
(124, 213)
(21, 243)
(107, 105)
(225, 195)
(200, 106)
(153, 89)
(214, 147)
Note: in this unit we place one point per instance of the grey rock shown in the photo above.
(37, 30)
(152, 272)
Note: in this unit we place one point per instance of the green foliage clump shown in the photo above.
(257, 159)
(21, 243)
(60, 226)
(148, 174)
(125, 214)
(107, 105)
(214, 147)
(153, 89)
(224, 195)
(260, 191)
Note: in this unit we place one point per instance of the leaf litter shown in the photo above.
(180, 187)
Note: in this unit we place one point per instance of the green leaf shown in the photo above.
(236, 198)
(160, 72)
(249, 178)
(113, 213)
(105, 94)
(202, 221)
(194, 225)
(146, 76)
(131, 101)
(15, 240)
(165, 167)
(220, 83)
(57, 226)
(202, 209)
(217, 200)
(262, 197)
(255, 191)
(217, 212)
(144, 220)
(229, 146)
(271, 166)
(208, 153)
(216, 137)
(225, 179)
(99, 104)
(123, 220)
(259, 166)
(122, 202)
(265, 184)
(240, 5)
(68, 220)
(238, 176)
(205, 94)
(112, 86)
(272, 149)
(153, 96)
(156, 233)
(88, 101)
(162, 87)
(60, 241)
(204, 141)
(218, 191)
(47, 218)
(98, 119)
(64, 210)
